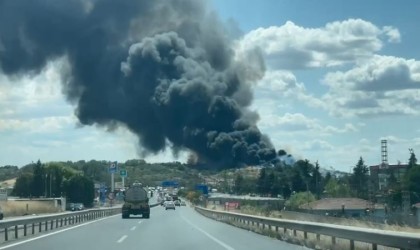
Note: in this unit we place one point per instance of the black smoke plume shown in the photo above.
(164, 69)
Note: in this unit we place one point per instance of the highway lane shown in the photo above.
(180, 229)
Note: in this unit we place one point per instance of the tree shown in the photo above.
(22, 186)
(334, 189)
(411, 179)
(38, 185)
(413, 184)
(316, 181)
(359, 179)
(300, 176)
(8, 172)
(272, 183)
(286, 191)
(263, 187)
(80, 189)
(298, 199)
(193, 196)
(239, 183)
(328, 176)
(412, 161)
(55, 177)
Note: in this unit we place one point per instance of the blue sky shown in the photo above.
(341, 76)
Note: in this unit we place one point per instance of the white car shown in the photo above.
(169, 205)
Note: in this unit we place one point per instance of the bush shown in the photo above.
(298, 199)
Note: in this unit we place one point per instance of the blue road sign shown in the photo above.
(203, 188)
(170, 184)
(113, 167)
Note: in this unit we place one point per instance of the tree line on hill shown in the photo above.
(303, 181)
(75, 180)
(54, 180)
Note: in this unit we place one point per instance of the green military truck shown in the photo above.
(136, 202)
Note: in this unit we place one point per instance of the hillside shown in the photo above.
(151, 174)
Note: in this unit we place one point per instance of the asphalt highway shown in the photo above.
(178, 229)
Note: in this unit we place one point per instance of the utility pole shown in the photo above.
(45, 194)
(50, 185)
(112, 183)
(113, 169)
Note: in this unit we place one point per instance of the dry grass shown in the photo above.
(321, 219)
(19, 208)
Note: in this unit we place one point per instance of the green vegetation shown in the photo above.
(76, 180)
(412, 177)
(336, 189)
(281, 180)
(359, 180)
(80, 189)
(55, 179)
(8, 172)
(298, 199)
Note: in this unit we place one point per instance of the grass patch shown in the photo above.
(251, 210)
(19, 208)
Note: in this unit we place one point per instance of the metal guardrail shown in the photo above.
(22, 227)
(375, 237)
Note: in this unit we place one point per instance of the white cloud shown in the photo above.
(290, 122)
(298, 122)
(393, 34)
(364, 141)
(27, 93)
(380, 73)
(292, 47)
(36, 125)
(382, 85)
(283, 84)
(318, 145)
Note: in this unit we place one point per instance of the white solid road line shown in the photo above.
(122, 238)
(133, 228)
(226, 246)
(140, 221)
(56, 232)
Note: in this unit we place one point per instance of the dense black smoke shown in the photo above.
(164, 69)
